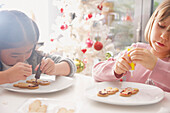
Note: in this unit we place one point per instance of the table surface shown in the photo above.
(10, 101)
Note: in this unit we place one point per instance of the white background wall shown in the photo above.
(38, 8)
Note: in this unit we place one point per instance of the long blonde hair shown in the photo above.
(161, 13)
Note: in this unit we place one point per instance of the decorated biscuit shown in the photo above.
(107, 91)
(103, 93)
(26, 85)
(129, 91)
(39, 81)
(111, 90)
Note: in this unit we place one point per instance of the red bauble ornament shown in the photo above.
(51, 40)
(64, 27)
(84, 50)
(89, 43)
(100, 7)
(90, 15)
(98, 46)
(61, 10)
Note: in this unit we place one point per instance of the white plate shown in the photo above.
(147, 94)
(60, 83)
(52, 105)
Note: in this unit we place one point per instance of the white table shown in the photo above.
(11, 101)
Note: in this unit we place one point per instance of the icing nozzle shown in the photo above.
(131, 72)
(132, 68)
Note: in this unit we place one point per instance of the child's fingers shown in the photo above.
(136, 51)
(47, 67)
(126, 58)
(44, 63)
(137, 58)
(27, 65)
(119, 69)
(23, 77)
(124, 63)
(21, 64)
(36, 67)
(26, 69)
(27, 73)
(49, 70)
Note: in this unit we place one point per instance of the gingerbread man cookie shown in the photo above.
(107, 91)
(26, 85)
(129, 91)
(103, 93)
(111, 90)
(39, 81)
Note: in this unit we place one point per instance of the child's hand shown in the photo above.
(47, 66)
(144, 57)
(122, 64)
(19, 71)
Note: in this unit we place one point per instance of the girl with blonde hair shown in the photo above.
(152, 61)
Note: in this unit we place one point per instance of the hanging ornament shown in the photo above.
(108, 54)
(90, 15)
(61, 10)
(52, 40)
(80, 65)
(84, 50)
(100, 7)
(98, 46)
(89, 43)
(64, 27)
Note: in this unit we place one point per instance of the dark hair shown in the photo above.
(17, 29)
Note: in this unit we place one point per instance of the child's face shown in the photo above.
(12, 56)
(160, 37)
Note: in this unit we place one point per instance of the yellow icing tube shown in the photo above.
(131, 64)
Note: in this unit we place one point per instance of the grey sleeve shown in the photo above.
(58, 59)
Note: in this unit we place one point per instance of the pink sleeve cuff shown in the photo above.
(118, 75)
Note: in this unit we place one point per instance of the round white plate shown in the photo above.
(60, 83)
(147, 94)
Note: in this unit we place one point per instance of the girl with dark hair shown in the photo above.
(18, 58)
